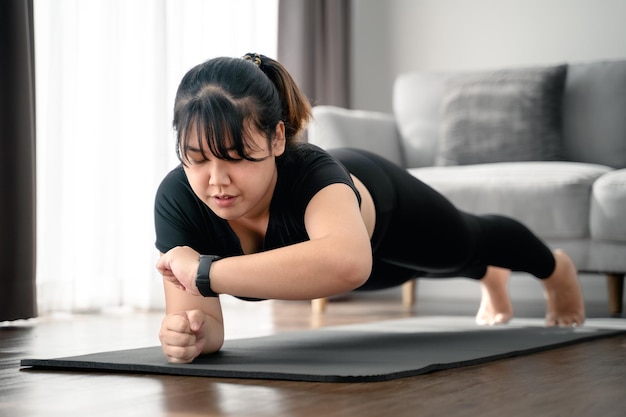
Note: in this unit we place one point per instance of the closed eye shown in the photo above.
(195, 156)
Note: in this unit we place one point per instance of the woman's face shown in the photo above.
(236, 189)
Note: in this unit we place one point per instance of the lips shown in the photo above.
(224, 200)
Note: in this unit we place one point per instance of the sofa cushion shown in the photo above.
(552, 198)
(594, 113)
(502, 116)
(608, 207)
(416, 105)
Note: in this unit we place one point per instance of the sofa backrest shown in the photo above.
(593, 113)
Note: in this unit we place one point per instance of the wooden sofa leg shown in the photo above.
(319, 305)
(616, 292)
(408, 293)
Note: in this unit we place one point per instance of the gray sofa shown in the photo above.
(546, 145)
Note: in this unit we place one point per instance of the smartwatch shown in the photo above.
(203, 282)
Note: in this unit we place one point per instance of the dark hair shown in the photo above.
(222, 97)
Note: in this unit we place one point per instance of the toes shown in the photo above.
(501, 319)
(493, 320)
(564, 321)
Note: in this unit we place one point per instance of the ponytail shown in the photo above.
(296, 107)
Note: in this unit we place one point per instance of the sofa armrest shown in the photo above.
(335, 127)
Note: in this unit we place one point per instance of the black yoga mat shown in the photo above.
(359, 353)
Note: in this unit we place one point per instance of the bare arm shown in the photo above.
(336, 259)
(192, 325)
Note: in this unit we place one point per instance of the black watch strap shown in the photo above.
(203, 282)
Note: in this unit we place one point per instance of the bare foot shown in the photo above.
(495, 304)
(565, 305)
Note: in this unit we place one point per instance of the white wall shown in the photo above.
(395, 36)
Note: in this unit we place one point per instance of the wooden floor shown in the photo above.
(581, 380)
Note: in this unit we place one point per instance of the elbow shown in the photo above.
(215, 342)
(356, 269)
(214, 346)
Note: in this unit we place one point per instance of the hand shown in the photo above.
(179, 266)
(183, 335)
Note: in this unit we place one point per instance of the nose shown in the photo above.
(218, 173)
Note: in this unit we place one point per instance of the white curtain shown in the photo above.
(106, 74)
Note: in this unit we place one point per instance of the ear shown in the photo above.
(278, 141)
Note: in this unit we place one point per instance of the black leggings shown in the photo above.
(419, 233)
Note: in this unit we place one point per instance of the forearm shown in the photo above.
(215, 329)
(178, 302)
(307, 270)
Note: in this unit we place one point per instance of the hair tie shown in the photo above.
(255, 58)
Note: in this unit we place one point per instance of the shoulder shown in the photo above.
(306, 169)
(176, 207)
(173, 178)
(173, 186)
(309, 159)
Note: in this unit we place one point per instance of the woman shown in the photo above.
(252, 212)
